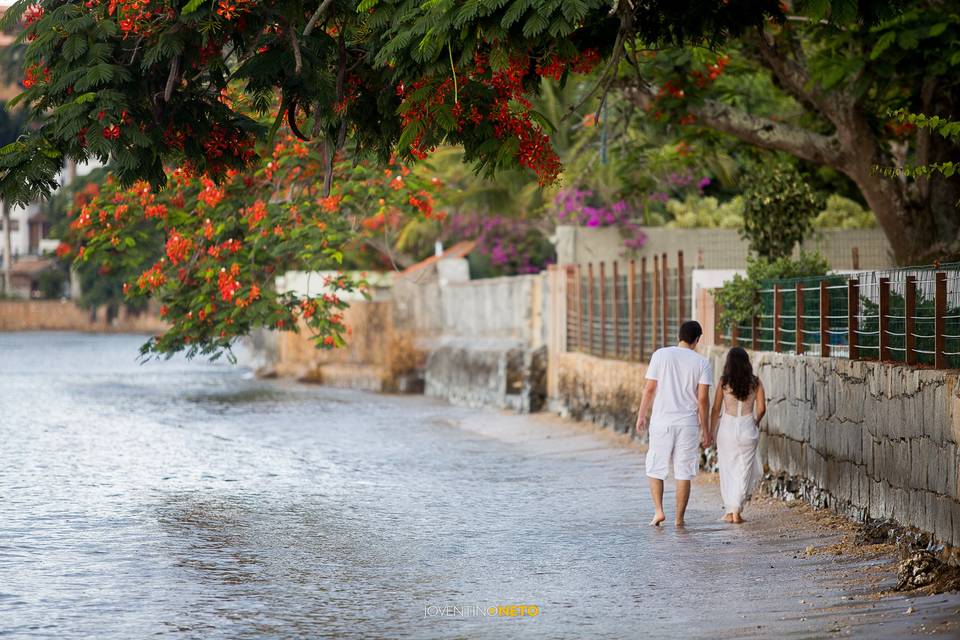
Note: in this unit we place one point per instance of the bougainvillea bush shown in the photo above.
(505, 245)
(581, 207)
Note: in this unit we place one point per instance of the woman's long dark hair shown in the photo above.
(738, 374)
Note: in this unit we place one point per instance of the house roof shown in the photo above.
(459, 250)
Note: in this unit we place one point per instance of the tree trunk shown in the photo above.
(7, 250)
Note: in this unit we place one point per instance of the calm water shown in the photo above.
(192, 500)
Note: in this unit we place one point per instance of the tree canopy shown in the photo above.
(140, 83)
(249, 137)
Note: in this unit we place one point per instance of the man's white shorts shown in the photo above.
(682, 443)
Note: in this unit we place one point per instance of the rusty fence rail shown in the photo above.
(625, 310)
(909, 315)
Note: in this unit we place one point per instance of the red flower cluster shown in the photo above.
(230, 9)
(535, 150)
(178, 247)
(35, 73)
(223, 145)
(227, 282)
(424, 203)
(211, 195)
(134, 16)
(152, 277)
(254, 213)
(555, 66)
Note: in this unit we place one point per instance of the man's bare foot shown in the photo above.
(727, 517)
(679, 523)
(657, 519)
(737, 519)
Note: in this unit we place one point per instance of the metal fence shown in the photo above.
(625, 312)
(909, 315)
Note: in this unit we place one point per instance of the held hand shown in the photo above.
(705, 439)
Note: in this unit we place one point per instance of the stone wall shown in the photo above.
(866, 439)
(57, 315)
(600, 390)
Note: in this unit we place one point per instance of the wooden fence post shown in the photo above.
(603, 310)
(570, 292)
(798, 346)
(777, 311)
(853, 317)
(579, 277)
(940, 321)
(910, 321)
(590, 307)
(665, 298)
(824, 320)
(643, 307)
(655, 307)
(681, 288)
(632, 309)
(616, 311)
(735, 335)
(884, 324)
(755, 327)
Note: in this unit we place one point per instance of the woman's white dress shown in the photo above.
(737, 440)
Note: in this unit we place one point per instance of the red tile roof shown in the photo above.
(459, 250)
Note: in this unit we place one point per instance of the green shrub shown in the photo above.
(705, 212)
(740, 297)
(779, 207)
(844, 213)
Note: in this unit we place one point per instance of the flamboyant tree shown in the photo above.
(151, 86)
(841, 83)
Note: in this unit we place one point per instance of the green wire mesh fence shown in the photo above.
(909, 315)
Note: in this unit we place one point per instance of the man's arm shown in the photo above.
(649, 392)
(703, 413)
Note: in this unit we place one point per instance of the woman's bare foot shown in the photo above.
(737, 519)
(679, 523)
(657, 519)
(727, 517)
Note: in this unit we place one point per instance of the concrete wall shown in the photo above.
(716, 248)
(507, 307)
(869, 440)
(56, 315)
(490, 347)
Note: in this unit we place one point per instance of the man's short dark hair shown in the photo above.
(690, 331)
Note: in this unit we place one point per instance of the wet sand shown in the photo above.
(853, 593)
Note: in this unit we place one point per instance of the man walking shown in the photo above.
(678, 388)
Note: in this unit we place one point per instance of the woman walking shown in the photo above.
(741, 401)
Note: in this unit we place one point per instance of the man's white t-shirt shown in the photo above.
(677, 371)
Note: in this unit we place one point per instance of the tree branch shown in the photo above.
(756, 130)
(297, 57)
(171, 78)
(316, 16)
(790, 74)
(770, 134)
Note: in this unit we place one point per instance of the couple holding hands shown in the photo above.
(677, 390)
